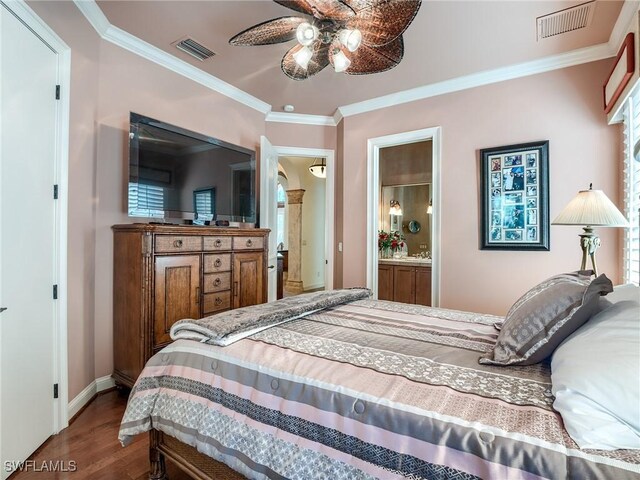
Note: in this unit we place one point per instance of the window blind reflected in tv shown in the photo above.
(179, 174)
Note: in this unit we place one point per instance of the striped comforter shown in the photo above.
(365, 390)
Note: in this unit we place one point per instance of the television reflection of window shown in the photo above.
(204, 203)
(281, 197)
(148, 198)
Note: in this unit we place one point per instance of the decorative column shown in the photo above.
(293, 283)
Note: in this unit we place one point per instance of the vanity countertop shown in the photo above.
(426, 262)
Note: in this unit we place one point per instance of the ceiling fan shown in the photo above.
(357, 37)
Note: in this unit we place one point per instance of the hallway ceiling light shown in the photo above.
(395, 208)
(356, 37)
(319, 169)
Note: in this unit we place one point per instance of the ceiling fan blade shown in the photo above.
(357, 5)
(376, 59)
(273, 31)
(319, 60)
(321, 9)
(301, 6)
(384, 20)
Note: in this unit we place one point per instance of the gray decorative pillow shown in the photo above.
(544, 316)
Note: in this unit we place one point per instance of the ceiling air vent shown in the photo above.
(567, 20)
(193, 48)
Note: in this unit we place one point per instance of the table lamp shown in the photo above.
(590, 208)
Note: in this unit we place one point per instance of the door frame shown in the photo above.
(329, 156)
(26, 15)
(373, 202)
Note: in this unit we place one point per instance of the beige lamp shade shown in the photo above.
(593, 208)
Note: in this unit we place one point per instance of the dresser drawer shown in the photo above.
(215, 302)
(217, 263)
(248, 243)
(178, 243)
(216, 243)
(216, 282)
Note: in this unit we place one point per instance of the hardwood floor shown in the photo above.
(91, 443)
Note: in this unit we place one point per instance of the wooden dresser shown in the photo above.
(164, 273)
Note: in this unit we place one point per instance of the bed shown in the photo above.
(359, 390)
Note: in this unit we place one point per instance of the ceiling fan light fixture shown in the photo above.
(306, 34)
(340, 61)
(357, 37)
(303, 56)
(351, 39)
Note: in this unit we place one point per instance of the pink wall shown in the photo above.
(65, 19)
(562, 106)
(107, 83)
(338, 264)
(130, 83)
(305, 136)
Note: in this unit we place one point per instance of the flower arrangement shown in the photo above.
(390, 242)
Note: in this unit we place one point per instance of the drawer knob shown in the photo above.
(217, 263)
(249, 242)
(177, 243)
(217, 243)
(217, 282)
(218, 302)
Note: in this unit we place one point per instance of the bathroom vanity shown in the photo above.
(406, 280)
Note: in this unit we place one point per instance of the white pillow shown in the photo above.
(595, 375)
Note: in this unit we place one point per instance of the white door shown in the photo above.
(28, 73)
(269, 208)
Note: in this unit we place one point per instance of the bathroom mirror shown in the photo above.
(415, 222)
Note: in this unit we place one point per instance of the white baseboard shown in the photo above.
(313, 286)
(104, 383)
(85, 396)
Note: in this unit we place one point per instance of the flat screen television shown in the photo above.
(183, 175)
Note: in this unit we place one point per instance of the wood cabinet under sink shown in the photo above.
(405, 282)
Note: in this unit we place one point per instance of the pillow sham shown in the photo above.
(544, 316)
(595, 376)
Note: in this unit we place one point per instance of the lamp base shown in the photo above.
(589, 242)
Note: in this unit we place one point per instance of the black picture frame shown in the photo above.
(514, 183)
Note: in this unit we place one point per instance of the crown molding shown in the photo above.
(96, 17)
(46, 34)
(119, 37)
(564, 60)
(627, 13)
(301, 119)
(337, 116)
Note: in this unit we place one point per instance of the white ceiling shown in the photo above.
(447, 39)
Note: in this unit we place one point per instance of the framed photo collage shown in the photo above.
(515, 197)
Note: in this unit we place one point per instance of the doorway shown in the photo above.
(269, 159)
(33, 399)
(403, 226)
(301, 224)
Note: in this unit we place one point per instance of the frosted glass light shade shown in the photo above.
(395, 208)
(303, 56)
(306, 33)
(350, 39)
(319, 169)
(592, 208)
(340, 62)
